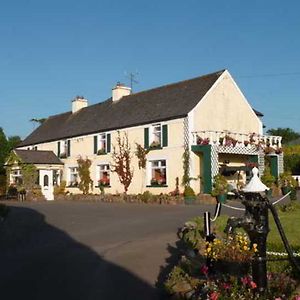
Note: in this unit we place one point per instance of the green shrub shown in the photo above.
(146, 197)
(60, 189)
(267, 178)
(220, 185)
(188, 192)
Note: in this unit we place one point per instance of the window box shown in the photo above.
(101, 152)
(63, 155)
(155, 146)
(157, 185)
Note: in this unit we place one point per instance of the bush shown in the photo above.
(188, 192)
(267, 178)
(146, 197)
(60, 189)
(220, 185)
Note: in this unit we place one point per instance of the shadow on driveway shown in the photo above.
(39, 261)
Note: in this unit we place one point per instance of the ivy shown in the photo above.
(85, 175)
(141, 154)
(186, 167)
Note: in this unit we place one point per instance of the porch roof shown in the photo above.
(38, 157)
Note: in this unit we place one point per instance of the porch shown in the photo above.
(234, 154)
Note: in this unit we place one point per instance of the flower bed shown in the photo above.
(220, 269)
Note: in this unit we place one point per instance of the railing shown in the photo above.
(235, 139)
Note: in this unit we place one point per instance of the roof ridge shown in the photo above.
(178, 82)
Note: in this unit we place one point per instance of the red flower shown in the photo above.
(226, 286)
(214, 296)
(253, 285)
(204, 269)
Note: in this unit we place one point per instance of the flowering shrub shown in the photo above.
(235, 248)
(202, 141)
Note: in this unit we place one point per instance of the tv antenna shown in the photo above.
(132, 78)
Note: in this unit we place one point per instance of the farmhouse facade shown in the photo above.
(207, 116)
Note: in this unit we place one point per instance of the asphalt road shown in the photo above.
(76, 250)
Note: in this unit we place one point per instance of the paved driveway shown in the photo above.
(75, 250)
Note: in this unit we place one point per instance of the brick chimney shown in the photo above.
(119, 91)
(78, 103)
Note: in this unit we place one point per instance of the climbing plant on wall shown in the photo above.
(121, 156)
(85, 175)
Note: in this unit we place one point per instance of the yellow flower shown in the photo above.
(208, 249)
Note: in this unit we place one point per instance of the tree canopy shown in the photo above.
(287, 134)
(6, 145)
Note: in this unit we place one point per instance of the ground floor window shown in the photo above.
(16, 177)
(158, 172)
(74, 177)
(104, 175)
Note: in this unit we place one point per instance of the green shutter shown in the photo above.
(108, 142)
(69, 148)
(95, 144)
(58, 149)
(165, 135)
(146, 138)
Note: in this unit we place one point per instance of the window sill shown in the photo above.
(155, 148)
(105, 186)
(101, 153)
(157, 185)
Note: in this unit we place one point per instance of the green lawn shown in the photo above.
(290, 221)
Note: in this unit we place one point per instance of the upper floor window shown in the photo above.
(156, 136)
(102, 143)
(64, 148)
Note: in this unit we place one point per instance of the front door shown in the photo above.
(46, 182)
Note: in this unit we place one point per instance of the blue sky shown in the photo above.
(52, 51)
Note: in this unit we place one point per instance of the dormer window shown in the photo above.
(102, 143)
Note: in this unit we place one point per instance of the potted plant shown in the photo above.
(189, 195)
(268, 179)
(220, 188)
(155, 145)
(101, 152)
(287, 184)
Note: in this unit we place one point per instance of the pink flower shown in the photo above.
(297, 297)
(214, 296)
(253, 285)
(204, 269)
(226, 286)
(245, 280)
(278, 298)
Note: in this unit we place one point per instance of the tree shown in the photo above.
(122, 161)
(287, 134)
(3, 150)
(13, 142)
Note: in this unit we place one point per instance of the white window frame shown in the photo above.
(153, 141)
(102, 142)
(150, 169)
(99, 170)
(70, 183)
(13, 176)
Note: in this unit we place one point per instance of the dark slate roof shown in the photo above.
(159, 104)
(38, 157)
